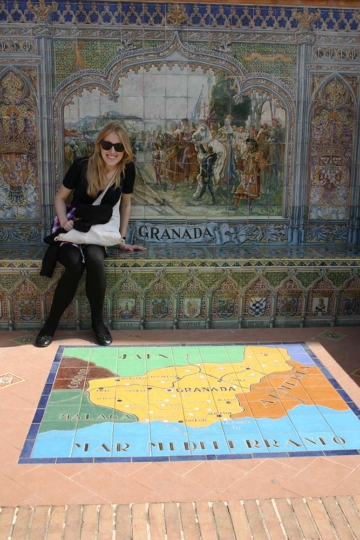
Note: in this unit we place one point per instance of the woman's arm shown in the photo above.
(125, 209)
(60, 207)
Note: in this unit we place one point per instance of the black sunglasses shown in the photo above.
(107, 145)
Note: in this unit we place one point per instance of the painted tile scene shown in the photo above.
(196, 401)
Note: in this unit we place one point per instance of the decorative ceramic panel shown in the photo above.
(258, 300)
(159, 302)
(26, 303)
(192, 303)
(229, 109)
(349, 304)
(260, 292)
(4, 314)
(180, 127)
(321, 300)
(19, 157)
(243, 122)
(331, 143)
(289, 300)
(126, 302)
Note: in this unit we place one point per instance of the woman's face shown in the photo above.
(111, 156)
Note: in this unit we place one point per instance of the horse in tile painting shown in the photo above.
(179, 162)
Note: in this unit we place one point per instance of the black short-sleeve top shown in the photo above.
(75, 179)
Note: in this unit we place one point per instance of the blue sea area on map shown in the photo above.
(296, 352)
(305, 429)
(53, 444)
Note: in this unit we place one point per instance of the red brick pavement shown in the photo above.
(309, 518)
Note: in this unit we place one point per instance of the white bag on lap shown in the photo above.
(104, 234)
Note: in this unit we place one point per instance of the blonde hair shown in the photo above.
(96, 166)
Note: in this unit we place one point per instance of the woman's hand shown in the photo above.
(68, 225)
(129, 247)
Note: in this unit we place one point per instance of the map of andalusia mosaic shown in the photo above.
(190, 402)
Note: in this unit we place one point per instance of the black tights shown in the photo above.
(71, 258)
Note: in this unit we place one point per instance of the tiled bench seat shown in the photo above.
(198, 286)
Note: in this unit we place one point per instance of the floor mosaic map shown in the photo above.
(190, 402)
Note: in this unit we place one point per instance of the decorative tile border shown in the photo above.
(204, 257)
(333, 336)
(248, 18)
(9, 379)
(25, 340)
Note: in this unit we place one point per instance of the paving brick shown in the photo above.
(255, 520)
(22, 523)
(89, 522)
(106, 522)
(288, 518)
(350, 512)
(206, 520)
(356, 499)
(139, 521)
(239, 520)
(271, 519)
(7, 516)
(339, 522)
(123, 524)
(224, 525)
(56, 523)
(330, 518)
(305, 519)
(321, 519)
(73, 522)
(157, 520)
(40, 522)
(189, 524)
(172, 521)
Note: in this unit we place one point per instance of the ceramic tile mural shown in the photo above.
(182, 402)
(243, 123)
(20, 182)
(178, 116)
(266, 94)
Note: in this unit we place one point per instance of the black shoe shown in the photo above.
(103, 339)
(43, 341)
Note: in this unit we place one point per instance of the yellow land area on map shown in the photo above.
(194, 394)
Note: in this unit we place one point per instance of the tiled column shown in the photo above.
(46, 124)
(297, 232)
(354, 223)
